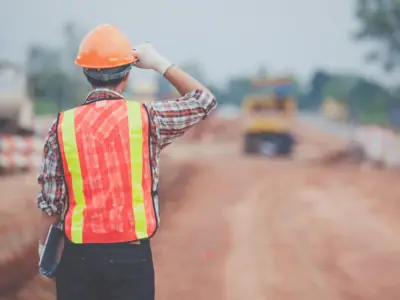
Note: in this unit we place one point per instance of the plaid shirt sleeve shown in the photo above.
(53, 193)
(173, 118)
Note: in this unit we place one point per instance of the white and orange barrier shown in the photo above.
(16, 161)
(381, 145)
(17, 152)
(391, 157)
(19, 144)
(23, 152)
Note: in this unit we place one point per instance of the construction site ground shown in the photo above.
(236, 227)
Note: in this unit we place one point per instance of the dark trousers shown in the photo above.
(106, 272)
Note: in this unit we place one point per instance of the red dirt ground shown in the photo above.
(236, 227)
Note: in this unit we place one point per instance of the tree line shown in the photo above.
(56, 84)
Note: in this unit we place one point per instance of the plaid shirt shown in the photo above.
(169, 120)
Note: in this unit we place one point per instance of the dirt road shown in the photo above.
(236, 227)
(251, 228)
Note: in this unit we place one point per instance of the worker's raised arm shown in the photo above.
(175, 117)
(149, 58)
(182, 81)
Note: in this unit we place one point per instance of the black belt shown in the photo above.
(144, 242)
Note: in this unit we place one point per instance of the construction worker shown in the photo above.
(100, 170)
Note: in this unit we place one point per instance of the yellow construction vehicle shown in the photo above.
(334, 109)
(268, 113)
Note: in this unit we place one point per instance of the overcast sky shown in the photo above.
(226, 36)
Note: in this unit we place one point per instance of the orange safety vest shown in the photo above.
(105, 154)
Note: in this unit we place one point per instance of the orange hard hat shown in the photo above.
(105, 47)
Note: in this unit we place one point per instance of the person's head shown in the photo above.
(106, 56)
(112, 78)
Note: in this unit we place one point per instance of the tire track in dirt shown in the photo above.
(326, 243)
(292, 272)
(243, 280)
(306, 231)
(18, 231)
(190, 247)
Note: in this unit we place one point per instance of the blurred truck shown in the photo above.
(268, 113)
(17, 144)
(334, 109)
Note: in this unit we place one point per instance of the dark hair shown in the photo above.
(98, 77)
(100, 83)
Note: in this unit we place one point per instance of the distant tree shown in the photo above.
(52, 75)
(340, 86)
(366, 100)
(43, 66)
(313, 98)
(380, 22)
(195, 69)
(72, 37)
(237, 89)
(369, 98)
(164, 88)
(220, 94)
(262, 72)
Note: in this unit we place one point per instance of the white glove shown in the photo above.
(150, 59)
(41, 250)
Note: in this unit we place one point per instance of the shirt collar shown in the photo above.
(98, 94)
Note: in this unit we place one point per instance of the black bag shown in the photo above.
(52, 252)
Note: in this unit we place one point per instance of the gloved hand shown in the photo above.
(150, 59)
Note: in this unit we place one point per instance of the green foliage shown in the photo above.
(237, 89)
(53, 76)
(339, 87)
(367, 101)
(57, 84)
(380, 22)
(45, 106)
(313, 98)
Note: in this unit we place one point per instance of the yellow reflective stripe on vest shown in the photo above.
(72, 158)
(136, 148)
